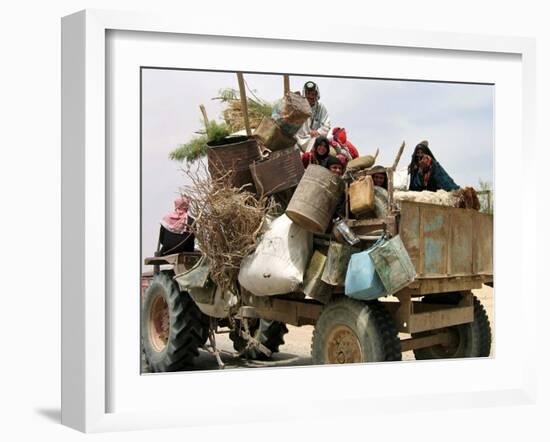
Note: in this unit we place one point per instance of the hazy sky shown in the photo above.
(456, 119)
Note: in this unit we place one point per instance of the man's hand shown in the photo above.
(314, 133)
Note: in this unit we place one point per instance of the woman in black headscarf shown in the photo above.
(319, 154)
(426, 173)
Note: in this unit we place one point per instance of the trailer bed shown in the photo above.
(451, 249)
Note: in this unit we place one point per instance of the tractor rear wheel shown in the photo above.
(172, 326)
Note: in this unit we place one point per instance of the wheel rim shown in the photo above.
(343, 346)
(452, 347)
(159, 324)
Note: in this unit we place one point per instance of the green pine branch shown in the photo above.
(196, 147)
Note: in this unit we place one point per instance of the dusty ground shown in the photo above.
(297, 347)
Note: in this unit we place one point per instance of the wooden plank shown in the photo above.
(375, 222)
(294, 312)
(442, 338)
(424, 286)
(440, 318)
(160, 260)
(286, 84)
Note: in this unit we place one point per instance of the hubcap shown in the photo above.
(343, 346)
(159, 325)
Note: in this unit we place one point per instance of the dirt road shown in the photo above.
(297, 347)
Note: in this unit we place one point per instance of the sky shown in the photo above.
(456, 119)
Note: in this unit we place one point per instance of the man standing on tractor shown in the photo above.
(319, 122)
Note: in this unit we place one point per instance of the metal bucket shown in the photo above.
(393, 265)
(233, 154)
(314, 201)
(281, 171)
(272, 136)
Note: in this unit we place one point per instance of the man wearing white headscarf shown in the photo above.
(319, 122)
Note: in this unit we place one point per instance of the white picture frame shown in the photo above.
(86, 213)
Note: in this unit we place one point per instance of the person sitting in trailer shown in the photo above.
(426, 173)
(319, 154)
(345, 150)
(319, 122)
(334, 164)
(379, 176)
(175, 234)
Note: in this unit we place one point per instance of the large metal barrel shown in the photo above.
(233, 154)
(314, 201)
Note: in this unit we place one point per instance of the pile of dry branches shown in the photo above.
(228, 221)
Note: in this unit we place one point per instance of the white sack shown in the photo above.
(440, 198)
(278, 264)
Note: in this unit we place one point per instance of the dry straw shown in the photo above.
(228, 222)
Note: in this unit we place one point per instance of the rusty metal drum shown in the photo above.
(314, 201)
(233, 154)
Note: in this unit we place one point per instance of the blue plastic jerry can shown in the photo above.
(362, 280)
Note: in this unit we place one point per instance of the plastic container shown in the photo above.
(362, 280)
(361, 195)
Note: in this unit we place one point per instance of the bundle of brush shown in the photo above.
(233, 114)
(467, 198)
(228, 222)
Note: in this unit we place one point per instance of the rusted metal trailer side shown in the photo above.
(451, 248)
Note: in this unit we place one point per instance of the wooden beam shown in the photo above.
(398, 156)
(425, 286)
(244, 103)
(294, 312)
(286, 81)
(443, 338)
(441, 318)
(204, 116)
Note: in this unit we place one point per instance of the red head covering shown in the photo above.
(339, 134)
(176, 222)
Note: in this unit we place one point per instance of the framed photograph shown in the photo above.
(136, 88)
